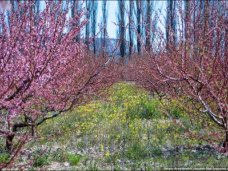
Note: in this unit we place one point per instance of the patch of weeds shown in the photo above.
(156, 151)
(4, 157)
(59, 155)
(111, 158)
(40, 161)
(117, 168)
(81, 145)
(74, 159)
(93, 167)
(40, 158)
(136, 152)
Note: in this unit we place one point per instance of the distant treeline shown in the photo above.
(139, 22)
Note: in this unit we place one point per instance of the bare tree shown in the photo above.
(122, 29)
(170, 24)
(87, 31)
(131, 24)
(148, 25)
(139, 22)
(94, 6)
(104, 20)
(75, 12)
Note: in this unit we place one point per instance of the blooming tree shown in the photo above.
(195, 66)
(43, 71)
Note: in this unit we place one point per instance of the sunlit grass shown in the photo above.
(131, 127)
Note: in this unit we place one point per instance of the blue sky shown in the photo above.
(112, 9)
(112, 15)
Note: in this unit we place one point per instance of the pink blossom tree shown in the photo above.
(196, 66)
(43, 71)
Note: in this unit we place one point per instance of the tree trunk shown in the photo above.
(148, 26)
(122, 30)
(138, 4)
(225, 144)
(87, 29)
(9, 143)
(10, 137)
(131, 17)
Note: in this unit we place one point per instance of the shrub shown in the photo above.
(74, 159)
(40, 161)
(40, 157)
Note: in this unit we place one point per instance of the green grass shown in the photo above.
(40, 161)
(4, 157)
(74, 159)
(130, 129)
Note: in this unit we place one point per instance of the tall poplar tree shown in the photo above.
(122, 29)
(171, 23)
(139, 22)
(104, 21)
(75, 12)
(131, 25)
(94, 7)
(148, 24)
(87, 29)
